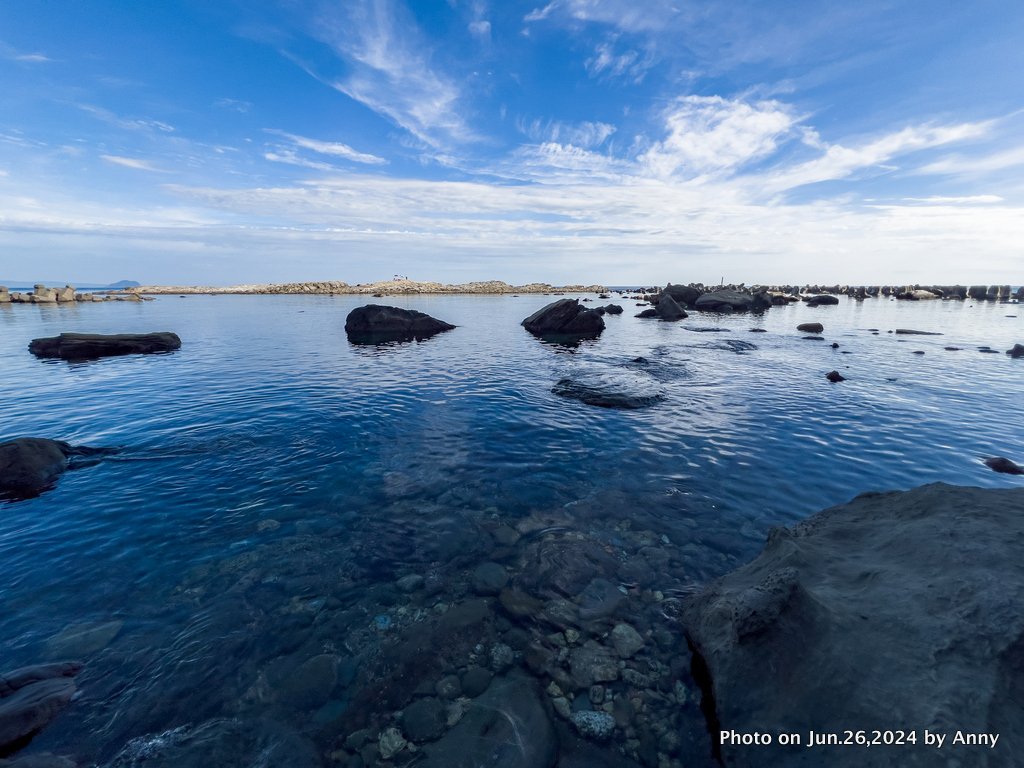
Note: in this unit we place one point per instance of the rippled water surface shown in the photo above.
(274, 481)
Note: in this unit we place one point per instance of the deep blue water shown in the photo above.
(268, 437)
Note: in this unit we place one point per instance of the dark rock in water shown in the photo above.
(823, 299)
(810, 327)
(89, 346)
(683, 295)
(220, 742)
(708, 329)
(988, 350)
(30, 698)
(613, 309)
(378, 323)
(952, 349)
(758, 330)
(835, 377)
(668, 309)
(834, 345)
(565, 317)
(489, 579)
(475, 681)
(1004, 465)
(600, 598)
(647, 313)
(593, 663)
(424, 720)
(909, 332)
(813, 338)
(726, 300)
(31, 465)
(1017, 351)
(895, 602)
(507, 727)
(611, 389)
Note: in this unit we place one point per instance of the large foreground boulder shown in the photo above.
(31, 465)
(896, 611)
(376, 323)
(89, 346)
(30, 698)
(565, 318)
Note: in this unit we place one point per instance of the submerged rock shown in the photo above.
(30, 698)
(903, 602)
(89, 346)
(565, 317)
(1003, 465)
(31, 465)
(378, 323)
(611, 389)
(507, 727)
(835, 377)
(911, 332)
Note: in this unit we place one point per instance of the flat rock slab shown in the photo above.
(31, 697)
(894, 611)
(89, 346)
(377, 323)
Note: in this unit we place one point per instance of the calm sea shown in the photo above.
(274, 481)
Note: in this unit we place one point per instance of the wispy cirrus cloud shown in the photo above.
(587, 134)
(332, 148)
(630, 64)
(392, 70)
(126, 123)
(132, 162)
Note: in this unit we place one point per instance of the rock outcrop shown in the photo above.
(90, 346)
(565, 318)
(376, 323)
(669, 309)
(821, 300)
(728, 300)
(810, 327)
(30, 698)
(1017, 351)
(31, 465)
(894, 611)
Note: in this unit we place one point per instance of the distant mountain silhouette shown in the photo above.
(23, 285)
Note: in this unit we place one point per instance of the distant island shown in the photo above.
(382, 288)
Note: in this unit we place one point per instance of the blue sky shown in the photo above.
(615, 141)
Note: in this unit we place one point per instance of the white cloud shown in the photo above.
(630, 64)
(481, 29)
(333, 148)
(586, 134)
(392, 72)
(839, 161)
(289, 157)
(539, 14)
(132, 162)
(963, 200)
(710, 134)
(128, 124)
(235, 105)
(33, 58)
(960, 164)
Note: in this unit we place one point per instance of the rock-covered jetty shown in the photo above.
(66, 295)
(382, 287)
(895, 612)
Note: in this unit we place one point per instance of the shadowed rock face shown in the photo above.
(728, 300)
(30, 698)
(893, 603)
(565, 317)
(31, 465)
(89, 346)
(377, 323)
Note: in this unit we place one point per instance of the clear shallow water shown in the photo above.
(275, 480)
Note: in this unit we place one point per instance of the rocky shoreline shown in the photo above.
(382, 287)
